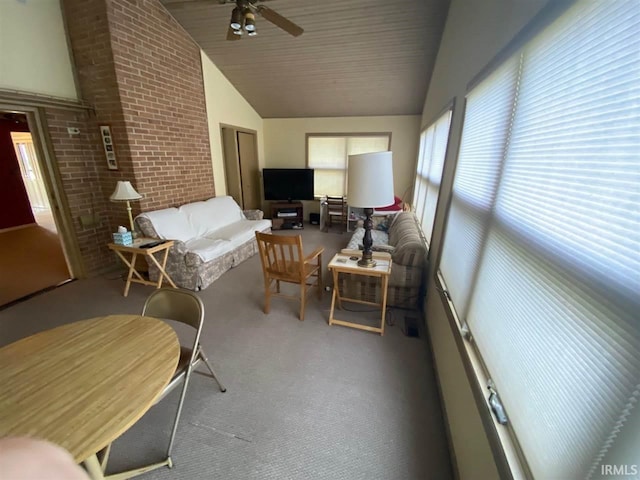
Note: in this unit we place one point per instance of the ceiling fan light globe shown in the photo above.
(236, 19)
(238, 32)
(253, 33)
(250, 25)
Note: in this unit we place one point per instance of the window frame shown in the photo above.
(346, 136)
(508, 455)
(449, 107)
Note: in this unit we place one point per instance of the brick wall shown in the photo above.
(80, 160)
(159, 74)
(143, 74)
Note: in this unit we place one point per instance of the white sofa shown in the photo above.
(210, 237)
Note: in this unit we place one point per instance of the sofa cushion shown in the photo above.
(198, 216)
(401, 224)
(208, 248)
(170, 224)
(225, 211)
(239, 232)
(405, 235)
(210, 215)
(379, 238)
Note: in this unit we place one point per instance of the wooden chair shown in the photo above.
(336, 210)
(283, 261)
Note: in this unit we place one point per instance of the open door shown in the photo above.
(31, 253)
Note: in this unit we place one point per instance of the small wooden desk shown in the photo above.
(83, 384)
(136, 250)
(341, 263)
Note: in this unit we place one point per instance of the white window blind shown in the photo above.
(541, 256)
(433, 148)
(328, 155)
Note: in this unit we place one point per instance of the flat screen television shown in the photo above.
(288, 184)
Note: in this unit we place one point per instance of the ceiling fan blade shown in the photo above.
(232, 36)
(279, 21)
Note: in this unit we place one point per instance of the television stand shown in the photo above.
(286, 215)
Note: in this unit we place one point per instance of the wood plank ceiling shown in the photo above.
(355, 57)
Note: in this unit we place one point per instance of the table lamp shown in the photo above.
(370, 185)
(125, 192)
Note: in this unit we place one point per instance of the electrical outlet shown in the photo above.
(73, 130)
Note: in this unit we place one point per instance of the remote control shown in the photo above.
(152, 244)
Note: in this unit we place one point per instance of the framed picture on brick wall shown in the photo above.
(107, 143)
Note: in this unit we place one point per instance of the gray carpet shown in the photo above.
(304, 400)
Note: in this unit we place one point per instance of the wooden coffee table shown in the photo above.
(83, 384)
(137, 249)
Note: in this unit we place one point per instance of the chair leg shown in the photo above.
(213, 373)
(303, 296)
(267, 296)
(183, 394)
(319, 282)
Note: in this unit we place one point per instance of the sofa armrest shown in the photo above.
(253, 214)
(145, 226)
(178, 249)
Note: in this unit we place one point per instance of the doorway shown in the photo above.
(242, 171)
(32, 256)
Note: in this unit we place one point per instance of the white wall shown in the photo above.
(285, 141)
(225, 105)
(34, 54)
(475, 31)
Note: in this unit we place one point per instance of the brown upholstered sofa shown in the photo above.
(405, 242)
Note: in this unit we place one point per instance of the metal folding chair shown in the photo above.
(185, 307)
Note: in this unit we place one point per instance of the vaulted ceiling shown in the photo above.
(355, 57)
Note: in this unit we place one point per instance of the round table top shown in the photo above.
(83, 384)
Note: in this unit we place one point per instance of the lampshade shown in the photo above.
(124, 191)
(370, 182)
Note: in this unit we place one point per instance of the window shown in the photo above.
(541, 257)
(433, 147)
(327, 154)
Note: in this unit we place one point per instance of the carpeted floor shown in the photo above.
(304, 400)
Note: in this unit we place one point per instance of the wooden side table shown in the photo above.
(342, 263)
(138, 249)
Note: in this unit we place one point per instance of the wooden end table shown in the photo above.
(138, 249)
(342, 263)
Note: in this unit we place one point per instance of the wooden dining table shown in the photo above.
(83, 384)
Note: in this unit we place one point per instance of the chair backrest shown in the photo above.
(175, 304)
(335, 204)
(281, 256)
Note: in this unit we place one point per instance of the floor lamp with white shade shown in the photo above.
(369, 186)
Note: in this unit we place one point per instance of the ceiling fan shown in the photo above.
(243, 19)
